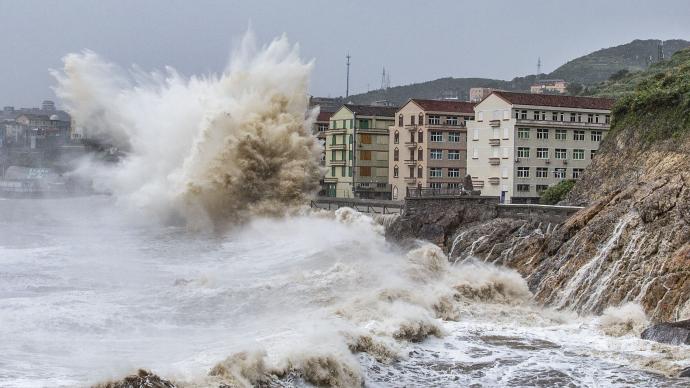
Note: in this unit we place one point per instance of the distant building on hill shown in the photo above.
(478, 94)
(549, 86)
(520, 143)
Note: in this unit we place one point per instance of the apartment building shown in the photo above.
(357, 152)
(520, 144)
(428, 145)
(478, 94)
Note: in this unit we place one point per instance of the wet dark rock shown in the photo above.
(143, 379)
(685, 372)
(674, 333)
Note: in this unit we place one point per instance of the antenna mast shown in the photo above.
(347, 80)
(538, 66)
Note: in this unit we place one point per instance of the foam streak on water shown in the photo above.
(88, 295)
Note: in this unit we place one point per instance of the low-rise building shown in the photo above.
(428, 145)
(549, 86)
(357, 152)
(520, 144)
(478, 94)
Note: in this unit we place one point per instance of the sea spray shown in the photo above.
(213, 149)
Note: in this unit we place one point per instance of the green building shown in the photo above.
(357, 152)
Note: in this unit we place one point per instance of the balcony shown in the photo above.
(495, 123)
(564, 124)
(477, 184)
(495, 142)
(410, 161)
(495, 161)
(338, 162)
(494, 180)
(336, 146)
(410, 179)
(411, 127)
(336, 131)
(411, 143)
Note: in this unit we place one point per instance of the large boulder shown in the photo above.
(674, 333)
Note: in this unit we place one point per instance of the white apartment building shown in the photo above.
(520, 144)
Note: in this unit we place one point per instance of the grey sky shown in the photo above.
(415, 40)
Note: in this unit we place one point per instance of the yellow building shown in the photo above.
(357, 152)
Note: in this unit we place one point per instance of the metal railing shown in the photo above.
(416, 192)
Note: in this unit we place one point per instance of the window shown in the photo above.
(322, 127)
(412, 120)
(596, 135)
(333, 155)
(559, 173)
(523, 172)
(434, 120)
(435, 172)
(420, 171)
(480, 116)
(365, 155)
(454, 185)
(435, 185)
(333, 125)
(561, 153)
(333, 140)
(579, 117)
(342, 170)
(542, 153)
(400, 120)
(396, 172)
(363, 124)
(577, 172)
(579, 135)
(539, 115)
(420, 154)
(350, 154)
(579, 154)
(396, 137)
(542, 172)
(333, 171)
(596, 119)
(350, 139)
(396, 155)
(523, 115)
(541, 188)
(562, 116)
(436, 136)
(506, 152)
(542, 133)
(475, 134)
(572, 117)
(561, 134)
(607, 119)
(523, 152)
(554, 116)
(454, 137)
(453, 173)
(590, 118)
(592, 153)
(420, 137)
(523, 188)
(453, 155)
(452, 120)
(365, 171)
(475, 152)
(523, 133)
(349, 171)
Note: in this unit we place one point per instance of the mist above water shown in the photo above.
(213, 148)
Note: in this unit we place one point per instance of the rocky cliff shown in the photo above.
(632, 241)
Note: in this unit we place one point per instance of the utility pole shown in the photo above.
(347, 80)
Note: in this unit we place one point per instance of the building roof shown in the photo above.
(324, 116)
(445, 105)
(372, 110)
(556, 100)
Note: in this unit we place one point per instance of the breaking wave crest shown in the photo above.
(213, 148)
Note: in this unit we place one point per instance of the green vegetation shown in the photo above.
(556, 193)
(583, 73)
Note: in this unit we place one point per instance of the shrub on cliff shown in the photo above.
(556, 193)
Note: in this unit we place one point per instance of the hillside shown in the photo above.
(601, 64)
(589, 70)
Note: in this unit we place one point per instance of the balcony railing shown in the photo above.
(410, 179)
(338, 162)
(495, 142)
(410, 161)
(494, 180)
(416, 192)
(495, 123)
(495, 161)
(445, 125)
(566, 124)
(411, 143)
(336, 146)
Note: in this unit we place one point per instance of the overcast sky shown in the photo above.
(414, 40)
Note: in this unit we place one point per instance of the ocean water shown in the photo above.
(90, 291)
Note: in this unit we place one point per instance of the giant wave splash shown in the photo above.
(209, 148)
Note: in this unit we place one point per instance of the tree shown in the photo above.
(556, 193)
(468, 183)
(574, 88)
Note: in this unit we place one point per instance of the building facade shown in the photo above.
(357, 152)
(520, 144)
(428, 145)
(478, 94)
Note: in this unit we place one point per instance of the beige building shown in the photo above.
(357, 152)
(520, 143)
(428, 145)
(549, 86)
(478, 94)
